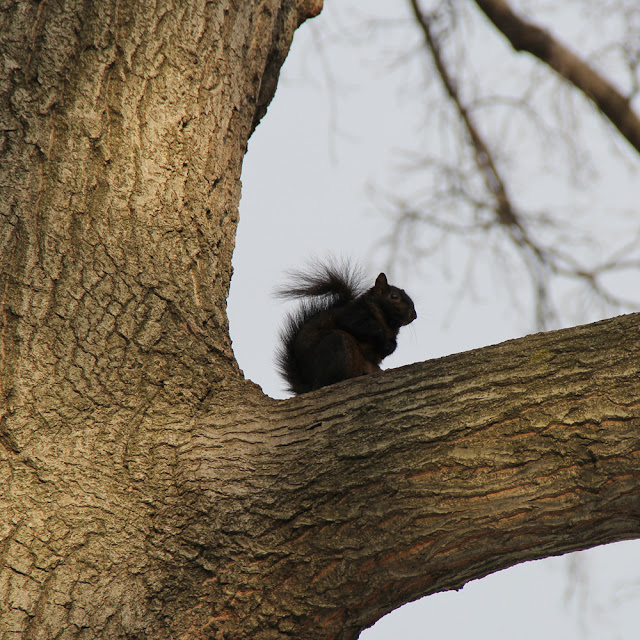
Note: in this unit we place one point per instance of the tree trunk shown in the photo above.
(150, 492)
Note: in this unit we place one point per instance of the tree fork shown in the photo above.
(150, 492)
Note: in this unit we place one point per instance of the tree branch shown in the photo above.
(536, 259)
(483, 156)
(377, 491)
(526, 36)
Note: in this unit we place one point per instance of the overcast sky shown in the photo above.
(332, 142)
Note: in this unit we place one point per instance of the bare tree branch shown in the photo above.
(502, 205)
(483, 156)
(545, 250)
(526, 36)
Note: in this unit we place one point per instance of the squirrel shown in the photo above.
(340, 330)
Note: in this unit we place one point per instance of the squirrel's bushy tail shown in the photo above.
(338, 282)
(340, 329)
(320, 287)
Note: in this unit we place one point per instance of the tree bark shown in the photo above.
(123, 127)
(148, 491)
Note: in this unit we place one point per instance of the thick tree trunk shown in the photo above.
(147, 490)
(123, 127)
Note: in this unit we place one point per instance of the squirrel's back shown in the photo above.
(340, 330)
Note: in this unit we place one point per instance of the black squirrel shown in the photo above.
(340, 330)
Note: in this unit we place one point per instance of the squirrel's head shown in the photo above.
(396, 305)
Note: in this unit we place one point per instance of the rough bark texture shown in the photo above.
(147, 490)
(371, 493)
(123, 129)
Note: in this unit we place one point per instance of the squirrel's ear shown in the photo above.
(381, 281)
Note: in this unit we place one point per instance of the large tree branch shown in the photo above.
(526, 36)
(377, 491)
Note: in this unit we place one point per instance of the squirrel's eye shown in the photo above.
(394, 296)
